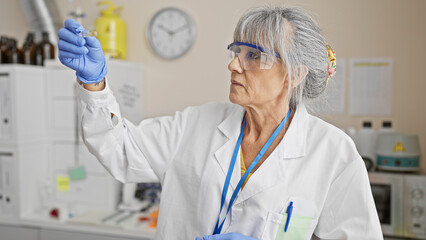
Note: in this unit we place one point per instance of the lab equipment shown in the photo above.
(398, 152)
(289, 213)
(401, 203)
(366, 144)
(84, 55)
(111, 31)
(252, 57)
(88, 33)
(139, 196)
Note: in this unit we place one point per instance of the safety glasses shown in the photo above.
(252, 57)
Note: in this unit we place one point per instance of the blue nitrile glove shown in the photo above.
(225, 236)
(83, 54)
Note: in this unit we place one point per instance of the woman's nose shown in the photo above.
(235, 65)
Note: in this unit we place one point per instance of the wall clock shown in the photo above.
(171, 33)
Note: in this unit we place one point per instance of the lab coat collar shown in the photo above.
(294, 141)
(273, 170)
(292, 146)
(230, 127)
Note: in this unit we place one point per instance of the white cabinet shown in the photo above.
(23, 139)
(19, 233)
(47, 234)
(22, 105)
(39, 141)
(11, 232)
(22, 170)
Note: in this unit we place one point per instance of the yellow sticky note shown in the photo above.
(63, 183)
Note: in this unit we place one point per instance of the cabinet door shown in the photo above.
(67, 235)
(5, 108)
(18, 233)
(9, 185)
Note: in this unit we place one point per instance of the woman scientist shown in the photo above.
(260, 167)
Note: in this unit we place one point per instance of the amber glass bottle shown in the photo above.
(14, 55)
(39, 56)
(29, 50)
(4, 44)
(47, 48)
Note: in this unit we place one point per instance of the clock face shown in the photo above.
(171, 33)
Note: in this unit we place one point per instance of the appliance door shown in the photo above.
(388, 195)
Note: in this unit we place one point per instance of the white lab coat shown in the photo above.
(316, 166)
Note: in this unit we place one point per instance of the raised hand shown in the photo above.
(83, 54)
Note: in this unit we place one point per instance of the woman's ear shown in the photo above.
(299, 75)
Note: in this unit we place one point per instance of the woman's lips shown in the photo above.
(236, 83)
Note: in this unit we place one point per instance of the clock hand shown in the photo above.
(181, 28)
(166, 30)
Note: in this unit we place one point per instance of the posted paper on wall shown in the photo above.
(370, 86)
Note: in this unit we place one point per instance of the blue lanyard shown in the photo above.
(218, 227)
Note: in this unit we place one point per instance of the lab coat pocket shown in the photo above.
(298, 228)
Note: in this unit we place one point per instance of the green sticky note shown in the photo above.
(77, 173)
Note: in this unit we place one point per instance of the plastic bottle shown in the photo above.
(386, 127)
(111, 31)
(29, 50)
(366, 144)
(46, 48)
(14, 55)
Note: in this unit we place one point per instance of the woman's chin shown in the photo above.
(234, 98)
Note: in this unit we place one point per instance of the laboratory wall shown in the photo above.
(356, 29)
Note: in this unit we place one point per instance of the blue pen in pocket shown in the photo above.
(289, 212)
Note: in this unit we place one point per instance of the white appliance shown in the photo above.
(398, 152)
(401, 203)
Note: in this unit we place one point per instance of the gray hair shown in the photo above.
(296, 36)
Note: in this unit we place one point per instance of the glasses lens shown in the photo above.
(266, 61)
(232, 53)
(250, 58)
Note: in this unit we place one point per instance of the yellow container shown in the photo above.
(111, 31)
